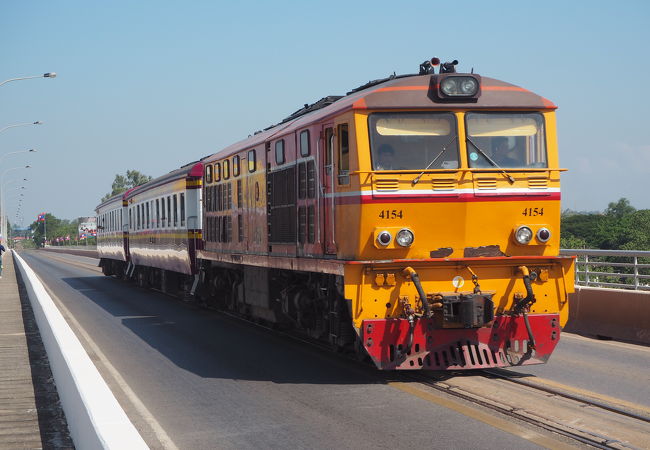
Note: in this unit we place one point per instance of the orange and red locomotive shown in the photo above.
(415, 220)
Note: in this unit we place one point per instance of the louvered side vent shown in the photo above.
(387, 185)
(537, 183)
(282, 196)
(444, 185)
(486, 183)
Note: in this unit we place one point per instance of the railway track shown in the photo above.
(578, 417)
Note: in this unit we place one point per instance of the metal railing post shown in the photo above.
(636, 273)
(586, 270)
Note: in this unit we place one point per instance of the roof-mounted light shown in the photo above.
(459, 86)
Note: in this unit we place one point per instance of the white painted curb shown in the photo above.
(95, 418)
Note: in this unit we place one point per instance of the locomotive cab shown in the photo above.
(459, 224)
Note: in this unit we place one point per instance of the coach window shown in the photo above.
(217, 172)
(279, 152)
(304, 143)
(138, 214)
(252, 161)
(226, 169)
(182, 210)
(175, 210)
(235, 166)
(130, 221)
(344, 155)
(169, 211)
(208, 173)
(157, 224)
(148, 217)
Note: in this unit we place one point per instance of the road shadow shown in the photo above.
(212, 345)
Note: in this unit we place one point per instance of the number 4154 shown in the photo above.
(532, 212)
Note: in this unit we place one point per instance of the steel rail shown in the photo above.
(583, 436)
(498, 373)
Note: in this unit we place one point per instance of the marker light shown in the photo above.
(543, 235)
(459, 86)
(523, 235)
(384, 238)
(405, 237)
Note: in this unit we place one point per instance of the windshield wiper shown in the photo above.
(491, 161)
(444, 148)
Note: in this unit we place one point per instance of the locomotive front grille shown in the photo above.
(443, 185)
(537, 183)
(387, 185)
(486, 183)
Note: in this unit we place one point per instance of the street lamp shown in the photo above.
(3, 219)
(38, 122)
(31, 150)
(45, 75)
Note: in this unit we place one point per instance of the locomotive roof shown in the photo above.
(401, 92)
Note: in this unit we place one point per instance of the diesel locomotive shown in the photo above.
(414, 220)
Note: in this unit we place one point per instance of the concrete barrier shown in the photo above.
(95, 418)
(614, 313)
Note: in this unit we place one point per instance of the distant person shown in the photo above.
(501, 153)
(385, 158)
(2, 250)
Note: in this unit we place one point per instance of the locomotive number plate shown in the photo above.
(391, 214)
(533, 212)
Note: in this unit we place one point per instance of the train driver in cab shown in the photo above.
(501, 153)
(386, 158)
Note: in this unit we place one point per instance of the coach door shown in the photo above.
(328, 176)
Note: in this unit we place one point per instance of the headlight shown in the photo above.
(468, 86)
(523, 235)
(459, 86)
(543, 235)
(405, 237)
(384, 238)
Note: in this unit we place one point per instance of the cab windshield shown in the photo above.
(413, 141)
(506, 140)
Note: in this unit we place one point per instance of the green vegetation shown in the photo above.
(123, 183)
(620, 227)
(59, 229)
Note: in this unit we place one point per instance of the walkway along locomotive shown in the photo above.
(414, 220)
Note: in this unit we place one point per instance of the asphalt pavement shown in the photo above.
(192, 378)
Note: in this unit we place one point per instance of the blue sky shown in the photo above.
(151, 85)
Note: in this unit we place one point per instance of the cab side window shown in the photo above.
(344, 154)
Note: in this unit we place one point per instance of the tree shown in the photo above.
(621, 227)
(123, 183)
(620, 208)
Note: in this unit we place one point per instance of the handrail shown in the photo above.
(611, 268)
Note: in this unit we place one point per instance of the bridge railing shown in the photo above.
(623, 269)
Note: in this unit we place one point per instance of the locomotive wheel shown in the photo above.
(106, 269)
(142, 278)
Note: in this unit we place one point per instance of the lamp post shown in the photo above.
(3, 219)
(31, 150)
(18, 208)
(45, 75)
(38, 122)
